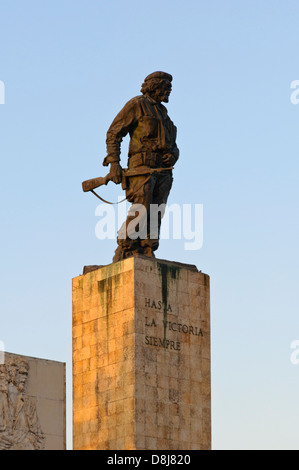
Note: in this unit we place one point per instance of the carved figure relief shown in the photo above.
(19, 425)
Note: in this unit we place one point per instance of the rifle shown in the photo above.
(94, 183)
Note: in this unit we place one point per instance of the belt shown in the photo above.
(150, 159)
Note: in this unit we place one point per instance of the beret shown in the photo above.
(159, 75)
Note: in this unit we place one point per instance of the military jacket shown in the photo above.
(149, 126)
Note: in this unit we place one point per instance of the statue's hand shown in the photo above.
(116, 173)
(169, 159)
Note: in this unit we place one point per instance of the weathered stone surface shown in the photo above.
(141, 357)
(32, 404)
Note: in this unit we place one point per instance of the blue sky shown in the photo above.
(68, 68)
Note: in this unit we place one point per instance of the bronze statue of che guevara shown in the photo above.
(152, 154)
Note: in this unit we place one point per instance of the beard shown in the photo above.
(161, 96)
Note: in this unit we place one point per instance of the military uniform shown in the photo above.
(152, 136)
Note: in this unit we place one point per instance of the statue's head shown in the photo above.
(18, 372)
(157, 85)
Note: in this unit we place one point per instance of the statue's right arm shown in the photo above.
(119, 128)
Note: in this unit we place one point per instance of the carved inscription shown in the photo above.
(157, 304)
(168, 326)
(19, 424)
(163, 343)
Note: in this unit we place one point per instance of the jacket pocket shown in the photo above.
(148, 126)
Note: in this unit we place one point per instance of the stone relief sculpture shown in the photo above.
(19, 424)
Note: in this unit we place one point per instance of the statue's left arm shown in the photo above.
(172, 157)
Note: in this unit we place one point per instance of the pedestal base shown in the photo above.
(141, 357)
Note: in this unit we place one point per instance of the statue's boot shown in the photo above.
(148, 246)
(125, 249)
(147, 251)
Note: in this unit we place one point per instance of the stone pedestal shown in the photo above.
(141, 357)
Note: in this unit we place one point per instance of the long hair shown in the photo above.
(154, 86)
(150, 86)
